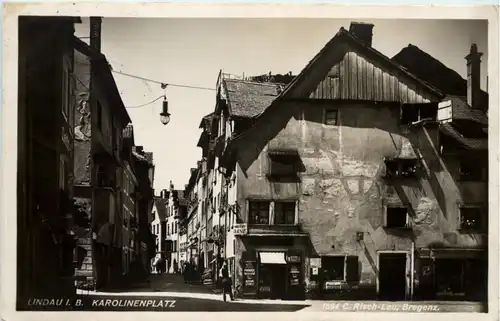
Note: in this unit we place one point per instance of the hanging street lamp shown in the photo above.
(165, 115)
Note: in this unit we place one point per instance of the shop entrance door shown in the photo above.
(272, 275)
(278, 280)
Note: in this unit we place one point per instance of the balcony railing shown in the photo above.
(275, 229)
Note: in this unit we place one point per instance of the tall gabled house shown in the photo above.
(108, 118)
(46, 217)
(358, 176)
(144, 168)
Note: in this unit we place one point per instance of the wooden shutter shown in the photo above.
(352, 268)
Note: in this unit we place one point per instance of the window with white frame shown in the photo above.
(396, 216)
(259, 212)
(284, 212)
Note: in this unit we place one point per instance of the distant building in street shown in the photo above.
(46, 216)
(355, 177)
(176, 204)
(144, 239)
(159, 225)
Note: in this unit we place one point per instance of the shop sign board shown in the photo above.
(249, 272)
(294, 275)
(294, 258)
(249, 277)
(315, 262)
(240, 229)
(333, 285)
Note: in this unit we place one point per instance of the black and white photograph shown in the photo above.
(256, 164)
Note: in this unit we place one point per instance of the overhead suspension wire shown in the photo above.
(163, 84)
(143, 105)
(146, 80)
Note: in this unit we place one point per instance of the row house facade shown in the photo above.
(176, 205)
(167, 211)
(106, 180)
(158, 225)
(144, 241)
(47, 219)
(362, 177)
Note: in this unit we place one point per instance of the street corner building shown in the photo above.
(363, 177)
(84, 189)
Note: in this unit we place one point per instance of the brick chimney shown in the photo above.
(474, 77)
(362, 31)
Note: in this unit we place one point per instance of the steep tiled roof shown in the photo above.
(249, 99)
(160, 204)
(206, 121)
(434, 72)
(479, 144)
(462, 111)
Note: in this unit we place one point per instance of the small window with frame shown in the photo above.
(403, 168)
(258, 212)
(471, 217)
(283, 163)
(397, 216)
(284, 212)
(331, 116)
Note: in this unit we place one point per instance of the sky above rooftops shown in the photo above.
(192, 51)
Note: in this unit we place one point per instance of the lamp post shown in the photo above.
(165, 115)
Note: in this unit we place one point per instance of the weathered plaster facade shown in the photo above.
(342, 191)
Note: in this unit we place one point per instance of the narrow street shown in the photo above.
(196, 297)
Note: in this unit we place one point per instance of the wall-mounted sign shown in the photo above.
(332, 285)
(315, 262)
(294, 259)
(249, 271)
(249, 277)
(315, 271)
(240, 229)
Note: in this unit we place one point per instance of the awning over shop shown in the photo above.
(272, 257)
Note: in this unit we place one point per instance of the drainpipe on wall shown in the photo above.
(412, 269)
(95, 39)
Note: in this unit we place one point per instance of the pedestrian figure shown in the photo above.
(226, 283)
(159, 265)
(185, 272)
